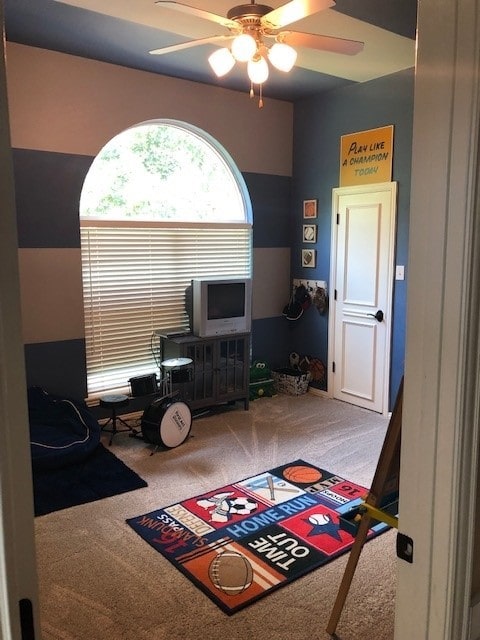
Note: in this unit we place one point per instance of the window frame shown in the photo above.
(196, 228)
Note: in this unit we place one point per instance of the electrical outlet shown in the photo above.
(399, 272)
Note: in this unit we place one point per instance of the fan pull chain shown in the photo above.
(252, 95)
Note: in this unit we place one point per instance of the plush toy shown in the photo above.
(259, 371)
(261, 383)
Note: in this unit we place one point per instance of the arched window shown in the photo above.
(161, 204)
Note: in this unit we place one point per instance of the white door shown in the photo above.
(361, 278)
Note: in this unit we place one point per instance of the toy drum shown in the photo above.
(166, 423)
(178, 369)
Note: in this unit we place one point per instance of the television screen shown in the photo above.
(226, 300)
(221, 305)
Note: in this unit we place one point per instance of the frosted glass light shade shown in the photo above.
(244, 47)
(282, 56)
(258, 70)
(221, 62)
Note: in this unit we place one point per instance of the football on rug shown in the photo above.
(241, 541)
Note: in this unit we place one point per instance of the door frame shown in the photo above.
(19, 609)
(447, 72)
(336, 193)
(441, 410)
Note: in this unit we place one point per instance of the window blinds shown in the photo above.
(135, 277)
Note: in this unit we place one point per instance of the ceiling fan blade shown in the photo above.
(323, 43)
(186, 45)
(293, 11)
(198, 13)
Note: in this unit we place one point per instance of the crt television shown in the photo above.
(221, 306)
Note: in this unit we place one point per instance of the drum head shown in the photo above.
(167, 424)
(176, 362)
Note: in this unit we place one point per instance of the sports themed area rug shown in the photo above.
(241, 541)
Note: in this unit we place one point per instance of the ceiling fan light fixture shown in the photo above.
(244, 47)
(249, 26)
(257, 70)
(221, 62)
(282, 56)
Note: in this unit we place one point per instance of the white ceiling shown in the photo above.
(124, 31)
(385, 52)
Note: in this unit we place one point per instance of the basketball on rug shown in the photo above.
(241, 541)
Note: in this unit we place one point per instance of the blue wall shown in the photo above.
(63, 110)
(319, 123)
(271, 203)
(48, 186)
(47, 194)
(51, 162)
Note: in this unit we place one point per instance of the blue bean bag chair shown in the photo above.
(62, 431)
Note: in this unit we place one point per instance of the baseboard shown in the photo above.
(318, 392)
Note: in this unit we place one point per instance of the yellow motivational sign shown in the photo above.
(366, 157)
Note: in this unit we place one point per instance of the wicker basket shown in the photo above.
(291, 381)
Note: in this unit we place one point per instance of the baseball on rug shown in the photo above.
(241, 541)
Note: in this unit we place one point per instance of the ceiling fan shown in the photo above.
(256, 33)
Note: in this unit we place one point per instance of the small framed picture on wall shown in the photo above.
(310, 209)
(308, 257)
(310, 233)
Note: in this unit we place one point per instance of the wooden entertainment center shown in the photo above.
(220, 367)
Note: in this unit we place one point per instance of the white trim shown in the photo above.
(18, 578)
(318, 392)
(336, 193)
(129, 286)
(440, 413)
(137, 223)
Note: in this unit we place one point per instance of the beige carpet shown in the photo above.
(100, 581)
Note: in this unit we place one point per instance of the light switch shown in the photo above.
(399, 272)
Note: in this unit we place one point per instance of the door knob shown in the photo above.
(378, 316)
